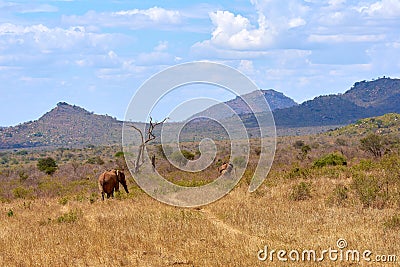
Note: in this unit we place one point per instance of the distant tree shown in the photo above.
(47, 165)
(374, 144)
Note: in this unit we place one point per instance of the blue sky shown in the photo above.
(96, 54)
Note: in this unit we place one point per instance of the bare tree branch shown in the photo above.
(150, 137)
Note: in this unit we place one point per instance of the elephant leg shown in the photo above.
(102, 196)
(108, 195)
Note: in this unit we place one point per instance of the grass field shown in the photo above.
(59, 220)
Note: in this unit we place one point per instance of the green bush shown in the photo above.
(301, 191)
(119, 154)
(95, 160)
(239, 162)
(367, 188)
(330, 160)
(188, 155)
(374, 144)
(10, 213)
(298, 172)
(68, 217)
(47, 165)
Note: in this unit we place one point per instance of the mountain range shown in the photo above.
(71, 126)
(276, 100)
(364, 99)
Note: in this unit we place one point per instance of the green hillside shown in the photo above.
(386, 124)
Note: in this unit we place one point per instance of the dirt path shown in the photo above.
(229, 228)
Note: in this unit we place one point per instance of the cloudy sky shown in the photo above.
(96, 54)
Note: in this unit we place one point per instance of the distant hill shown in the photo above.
(276, 100)
(64, 126)
(364, 99)
(386, 124)
(72, 126)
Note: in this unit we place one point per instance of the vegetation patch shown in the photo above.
(69, 217)
(333, 159)
(393, 222)
(47, 165)
(301, 191)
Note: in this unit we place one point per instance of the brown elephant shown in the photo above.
(109, 181)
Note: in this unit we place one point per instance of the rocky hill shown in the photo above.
(66, 126)
(276, 100)
(364, 99)
(386, 124)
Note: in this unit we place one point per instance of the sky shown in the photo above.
(96, 54)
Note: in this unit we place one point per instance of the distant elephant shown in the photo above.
(225, 168)
(109, 181)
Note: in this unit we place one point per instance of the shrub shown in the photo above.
(373, 144)
(119, 154)
(330, 160)
(339, 195)
(298, 144)
(93, 197)
(393, 222)
(95, 160)
(301, 191)
(63, 201)
(21, 192)
(47, 165)
(187, 154)
(239, 162)
(10, 213)
(68, 217)
(22, 175)
(340, 142)
(298, 172)
(367, 188)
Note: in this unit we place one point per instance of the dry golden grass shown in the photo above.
(140, 231)
(61, 223)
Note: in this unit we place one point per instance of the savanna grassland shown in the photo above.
(321, 188)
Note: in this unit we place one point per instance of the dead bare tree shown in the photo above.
(149, 137)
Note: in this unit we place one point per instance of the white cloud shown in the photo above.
(246, 66)
(296, 22)
(155, 14)
(162, 46)
(159, 56)
(133, 19)
(345, 38)
(384, 8)
(236, 32)
(47, 40)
